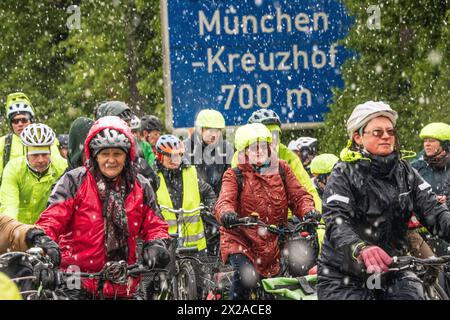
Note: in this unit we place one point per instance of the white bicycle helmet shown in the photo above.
(367, 111)
(135, 123)
(109, 138)
(37, 135)
(16, 103)
(303, 143)
(169, 144)
(307, 143)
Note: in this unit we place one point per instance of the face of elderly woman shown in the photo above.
(378, 137)
(258, 153)
(111, 161)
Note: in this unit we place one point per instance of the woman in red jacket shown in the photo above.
(250, 252)
(96, 212)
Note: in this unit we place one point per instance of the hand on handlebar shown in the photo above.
(375, 259)
(313, 215)
(441, 199)
(37, 238)
(228, 219)
(156, 254)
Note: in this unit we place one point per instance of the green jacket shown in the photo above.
(296, 165)
(18, 150)
(23, 195)
(148, 152)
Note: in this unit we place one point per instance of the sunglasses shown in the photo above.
(23, 120)
(380, 132)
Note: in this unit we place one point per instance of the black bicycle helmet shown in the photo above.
(265, 116)
(151, 123)
(63, 140)
(113, 108)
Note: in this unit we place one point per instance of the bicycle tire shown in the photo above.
(154, 286)
(436, 292)
(187, 282)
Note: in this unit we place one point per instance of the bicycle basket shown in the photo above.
(302, 253)
(18, 268)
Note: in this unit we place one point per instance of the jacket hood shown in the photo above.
(110, 122)
(77, 135)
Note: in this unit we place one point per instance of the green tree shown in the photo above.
(28, 32)
(404, 63)
(114, 54)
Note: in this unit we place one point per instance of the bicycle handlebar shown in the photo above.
(254, 222)
(407, 262)
(112, 271)
(122, 269)
(178, 211)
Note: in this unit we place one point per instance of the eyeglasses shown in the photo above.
(380, 132)
(259, 146)
(23, 120)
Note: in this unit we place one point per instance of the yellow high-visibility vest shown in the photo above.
(192, 230)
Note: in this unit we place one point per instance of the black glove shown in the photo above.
(229, 218)
(37, 238)
(156, 254)
(47, 277)
(313, 215)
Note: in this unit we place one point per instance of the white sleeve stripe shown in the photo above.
(338, 197)
(424, 186)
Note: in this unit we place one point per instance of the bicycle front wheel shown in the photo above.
(187, 282)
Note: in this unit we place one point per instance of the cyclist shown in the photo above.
(434, 167)
(63, 145)
(114, 108)
(151, 128)
(321, 167)
(27, 180)
(207, 150)
(101, 209)
(434, 164)
(306, 149)
(121, 110)
(368, 202)
(264, 191)
(271, 120)
(145, 146)
(181, 187)
(20, 114)
(211, 155)
(78, 132)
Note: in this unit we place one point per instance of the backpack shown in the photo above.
(7, 151)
